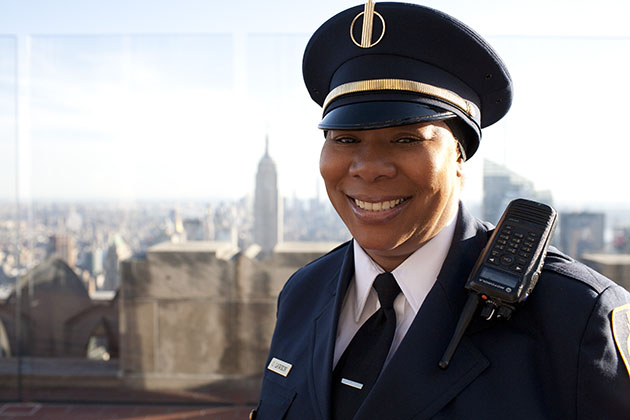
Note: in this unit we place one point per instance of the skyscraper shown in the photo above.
(266, 210)
(501, 185)
(118, 251)
(62, 246)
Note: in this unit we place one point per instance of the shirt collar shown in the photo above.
(365, 271)
(415, 276)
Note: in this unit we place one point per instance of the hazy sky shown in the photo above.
(173, 99)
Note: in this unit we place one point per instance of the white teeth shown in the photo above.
(383, 205)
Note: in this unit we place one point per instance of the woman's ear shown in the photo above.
(461, 152)
(461, 158)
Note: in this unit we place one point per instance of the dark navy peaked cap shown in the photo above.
(388, 64)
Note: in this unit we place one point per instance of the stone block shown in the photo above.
(137, 336)
(135, 278)
(189, 271)
(254, 329)
(196, 337)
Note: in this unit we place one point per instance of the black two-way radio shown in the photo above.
(509, 266)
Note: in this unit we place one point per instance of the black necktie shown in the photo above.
(362, 361)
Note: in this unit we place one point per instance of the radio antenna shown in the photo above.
(464, 319)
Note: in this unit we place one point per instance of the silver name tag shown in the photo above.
(279, 367)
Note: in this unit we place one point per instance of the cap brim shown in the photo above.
(380, 114)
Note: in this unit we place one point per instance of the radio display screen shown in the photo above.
(500, 277)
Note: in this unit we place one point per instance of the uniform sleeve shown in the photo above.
(603, 385)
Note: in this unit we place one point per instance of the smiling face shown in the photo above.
(395, 188)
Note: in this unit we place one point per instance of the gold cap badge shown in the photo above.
(621, 332)
(368, 14)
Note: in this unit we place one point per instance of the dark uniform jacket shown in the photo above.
(554, 359)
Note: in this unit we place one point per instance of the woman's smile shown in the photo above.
(373, 211)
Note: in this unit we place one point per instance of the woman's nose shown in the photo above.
(372, 164)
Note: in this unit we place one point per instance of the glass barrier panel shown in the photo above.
(10, 265)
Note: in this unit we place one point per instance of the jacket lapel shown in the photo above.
(324, 335)
(412, 383)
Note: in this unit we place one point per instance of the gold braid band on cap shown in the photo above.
(407, 86)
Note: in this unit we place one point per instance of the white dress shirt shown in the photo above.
(415, 276)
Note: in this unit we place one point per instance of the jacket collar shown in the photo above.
(325, 332)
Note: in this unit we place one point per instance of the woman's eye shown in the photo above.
(405, 140)
(346, 140)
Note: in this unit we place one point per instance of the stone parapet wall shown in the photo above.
(198, 312)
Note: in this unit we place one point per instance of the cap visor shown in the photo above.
(380, 114)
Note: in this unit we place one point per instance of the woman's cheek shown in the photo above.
(331, 165)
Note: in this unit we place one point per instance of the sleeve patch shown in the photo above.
(621, 332)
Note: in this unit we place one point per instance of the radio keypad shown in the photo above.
(513, 248)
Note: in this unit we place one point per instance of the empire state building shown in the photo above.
(266, 211)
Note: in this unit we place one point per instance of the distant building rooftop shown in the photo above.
(609, 259)
(223, 249)
(102, 295)
(301, 247)
(191, 246)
